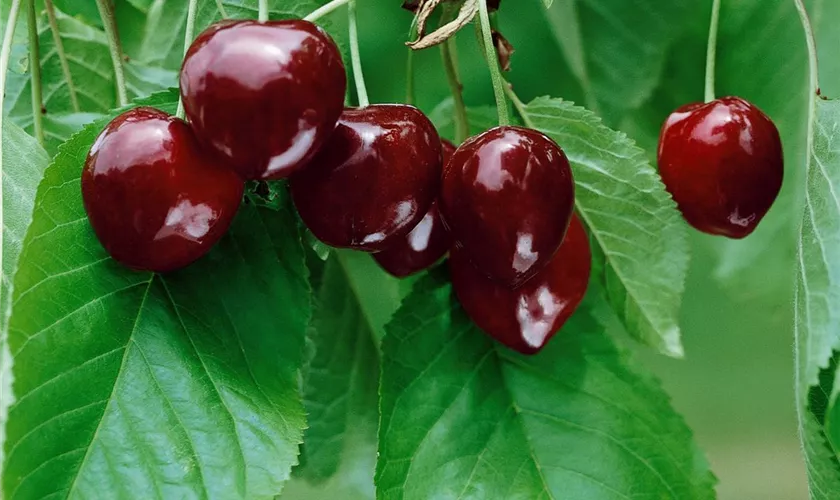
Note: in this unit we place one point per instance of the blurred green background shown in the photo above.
(641, 59)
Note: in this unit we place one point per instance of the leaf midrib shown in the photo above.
(113, 390)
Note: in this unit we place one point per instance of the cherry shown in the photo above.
(156, 200)
(526, 318)
(264, 95)
(722, 162)
(507, 198)
(424, 245)
(374, 179)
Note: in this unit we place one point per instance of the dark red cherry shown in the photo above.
(507, 198)
(156, 200)
(374, 179)
(426, 244)
(525, 319)
(264, 95)
(722, 162)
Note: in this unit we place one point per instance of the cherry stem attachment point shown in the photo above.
(355, 56)
(62, 57)
(450, 66)
(188, 39)
(106, 12)
(35, 73)
(711, 52)
(493, 63)
(324, 10)
(262, 13)
(221, 8)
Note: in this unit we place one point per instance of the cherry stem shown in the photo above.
(409, 66)
(325, 9)
(221, 8)
(814, 79)
(355, 56)
(493, 64)
(711, 52)
(106, 12)
(35, 73)
(520, 106)
(450, 66)
(62, 56)
(262, 14)
(188, 39)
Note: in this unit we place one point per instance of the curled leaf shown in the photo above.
(443, 33)
(504, 50)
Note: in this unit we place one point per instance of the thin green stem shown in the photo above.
(519, 105)
(355, 56)
(711, 51)
(462, 124)
(188, 39)
(262, 14)
(62, 57)
(221, 8)
(493, 63)
(814, 79)
(409, 66)
(35, 73)
(324, 10)
(106, 12)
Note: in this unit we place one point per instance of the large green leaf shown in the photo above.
(617, 49)
(23, 163)
(183, 385)
(340, 394)
(817, 295)
(633, 220)
(463, 417)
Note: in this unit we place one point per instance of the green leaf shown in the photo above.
(617, 49)
(463, 417)
(548, 3)
(92, 76)
(188, 381)
(23, 163)
(817, 324)
(341, 384)
(631, 217)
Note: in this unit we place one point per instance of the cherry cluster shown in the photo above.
(265, 101)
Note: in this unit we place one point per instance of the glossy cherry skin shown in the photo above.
(507, 198)
(723, 164)
(526, 318)
(156, 200)
(426, 244)
(264, 95)
(374, 179)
